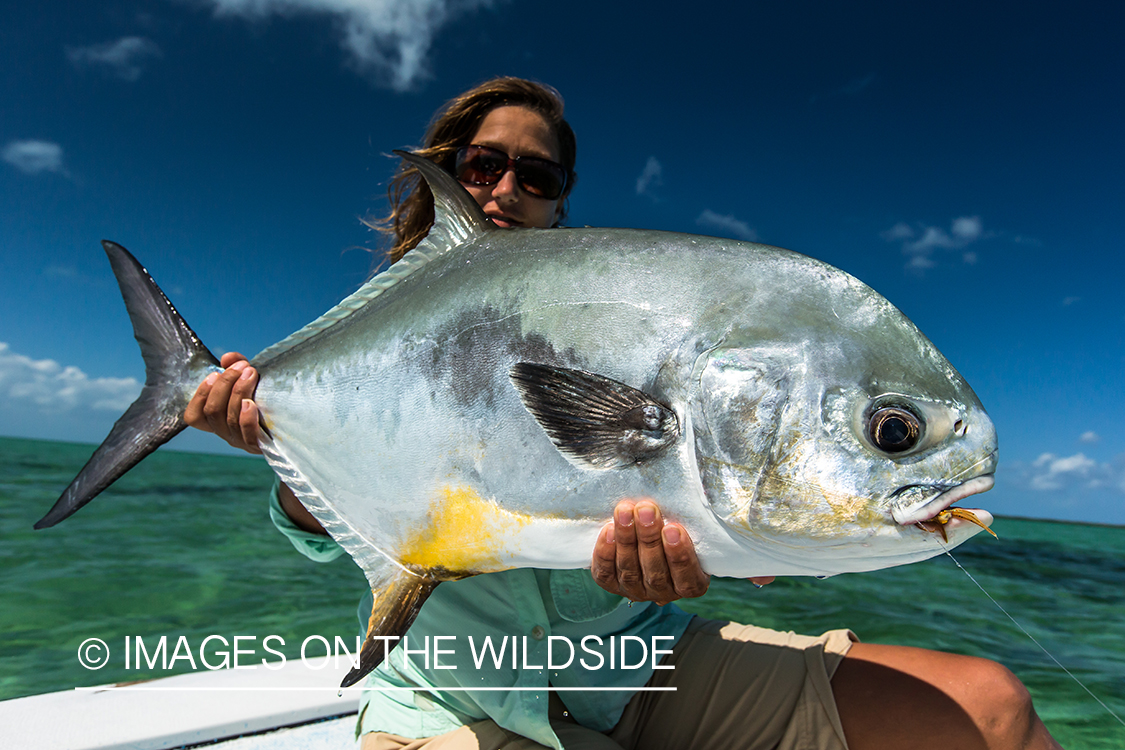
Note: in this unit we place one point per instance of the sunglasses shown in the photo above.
(481, 165)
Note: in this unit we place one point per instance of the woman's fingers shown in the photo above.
(689, 580)
(223, 404)
(248, 424)
(644, 558)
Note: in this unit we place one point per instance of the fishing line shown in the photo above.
(1029, 635)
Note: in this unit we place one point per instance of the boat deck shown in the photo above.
(245, 709)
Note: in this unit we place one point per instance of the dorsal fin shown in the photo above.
(457, 220)
(457, 217)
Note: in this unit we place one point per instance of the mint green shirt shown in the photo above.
(541, 615)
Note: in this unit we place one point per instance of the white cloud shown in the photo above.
(920, 263)
(388, 40)
(1089, 437)
(33, 157)
(651, 176)
(124, 58)
(57, 271)
(967, 228)
(922, 245)
(1050, 472)
(900, 231)
(727, 225)
(53, 388)
(931, 239)
(1075, 487)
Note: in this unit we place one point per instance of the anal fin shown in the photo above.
(398, 592)
(395, 606)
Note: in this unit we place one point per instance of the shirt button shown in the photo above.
(538, 632)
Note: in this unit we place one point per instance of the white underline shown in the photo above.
(142, 688)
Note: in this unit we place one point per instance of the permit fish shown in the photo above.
(484, 403)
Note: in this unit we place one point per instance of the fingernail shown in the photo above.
(246, 404)
(609, 537)
(210, 379)
(239, 365)
(625, 516)
(646, 514)
(246, 374)
(672, 535)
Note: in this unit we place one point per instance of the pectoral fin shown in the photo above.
(595, 422)
(392, 613)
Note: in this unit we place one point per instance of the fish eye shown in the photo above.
(893, 429)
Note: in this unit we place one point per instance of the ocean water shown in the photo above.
(183, 545)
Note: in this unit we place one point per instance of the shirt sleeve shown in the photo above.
(316, 547)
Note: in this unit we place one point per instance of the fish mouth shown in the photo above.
(929, 509)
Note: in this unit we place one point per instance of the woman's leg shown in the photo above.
(897, 697)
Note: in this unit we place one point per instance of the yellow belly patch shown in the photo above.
(466, 534)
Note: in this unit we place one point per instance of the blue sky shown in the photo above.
(964, 159)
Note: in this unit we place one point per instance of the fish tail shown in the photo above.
(176, 361)
(395, 604)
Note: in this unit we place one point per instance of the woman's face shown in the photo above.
(516, 131)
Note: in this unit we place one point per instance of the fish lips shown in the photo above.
(928, 509)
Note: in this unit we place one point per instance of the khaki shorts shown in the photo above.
(737, 686)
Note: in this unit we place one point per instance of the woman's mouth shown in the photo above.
(504, 222)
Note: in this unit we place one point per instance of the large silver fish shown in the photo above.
(484, 403)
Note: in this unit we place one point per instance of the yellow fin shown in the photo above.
(393, 611)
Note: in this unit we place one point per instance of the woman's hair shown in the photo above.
(453, 126)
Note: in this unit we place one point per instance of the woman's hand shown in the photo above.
(223, 404)
(641, 556)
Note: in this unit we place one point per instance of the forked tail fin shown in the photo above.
(395, 604)
(176, 361)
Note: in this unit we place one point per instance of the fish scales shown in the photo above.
(485, 403)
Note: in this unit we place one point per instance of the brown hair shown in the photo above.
(453, 126)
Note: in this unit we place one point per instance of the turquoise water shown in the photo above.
(183, 546)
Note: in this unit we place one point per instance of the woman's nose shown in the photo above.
(508, 187)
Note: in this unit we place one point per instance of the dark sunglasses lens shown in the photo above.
(480, 167)
(541, 178)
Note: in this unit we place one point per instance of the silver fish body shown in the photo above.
(767, 359)
(485, 403)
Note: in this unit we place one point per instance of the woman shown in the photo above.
(738, 686)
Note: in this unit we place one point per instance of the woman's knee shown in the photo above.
(976, 702)
(999, 703)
